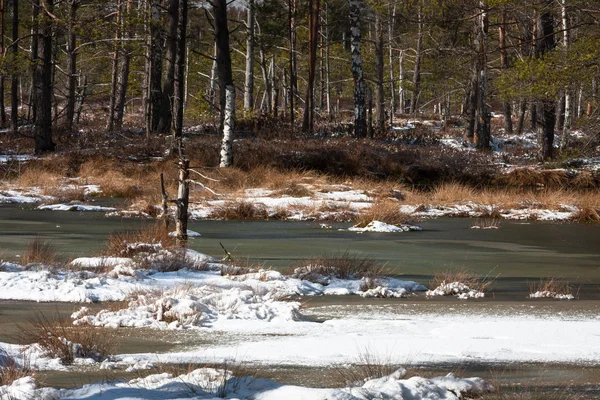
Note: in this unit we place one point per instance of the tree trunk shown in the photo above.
(508, 126)
(179, 76)
(292, 56)
(568, 102)
(166, 106)
(154, 54)
(482, 139)
(42, 81)
(265, 74)
(414, 99)
(391, 61)
(123, 75)
(521, 122)
(313, 37)
(379, 91)
(249, 83)
(327, 64)
(2, 77)
(360, 121)
(182, 202)
(226, 88)
(545, 43)
(71, 64)
(80, 96)
(115, 70)
(401, 78)
(14, 89)
(212, 91)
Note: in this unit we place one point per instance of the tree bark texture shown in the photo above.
(166, 107)
(42, 81)
(545, 42)
(416, 83)
(360, 120)
(226, 87)
(249, 82)
(179, 75)
(379, 66)
(313, 37)
(14, 88)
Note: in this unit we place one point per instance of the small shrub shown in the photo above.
(344, 265)
(59, 338)
(486, 223)
(39, 251)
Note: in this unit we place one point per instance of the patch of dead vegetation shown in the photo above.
(345, 265)
(59, 338)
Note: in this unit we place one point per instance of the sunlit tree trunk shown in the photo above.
(393, 105)
(379, 91)
(416, 89)
(179, 75)
(313, 41)
(71, 64)
(482, 139)
(249, 83)
(568, 116)
(226, 88)
(508, 126)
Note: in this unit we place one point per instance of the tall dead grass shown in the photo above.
(387, 211)
(39, 251)
(367, 365)
(119, 243)
(59, 338)
(10, 371)
(551, 286)
(343, 265)
(461, 275)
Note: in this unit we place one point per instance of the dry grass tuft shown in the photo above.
(344, 265)
(486, 223)
(243, 210)
(368, 365)
(65, 194)
(552, 287)
(461, 275)
(385, 211)
(59, 338)
(119, 243)
(452, 193)
(39, 251)
(294, 190)
(10, 371)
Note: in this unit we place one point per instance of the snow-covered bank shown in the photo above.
(123, 276)
(209, 383)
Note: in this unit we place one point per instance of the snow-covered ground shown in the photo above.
(209, 383)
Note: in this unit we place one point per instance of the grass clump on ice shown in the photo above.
(345, 265)
(387, 211)
(459, 282)
(551, 288)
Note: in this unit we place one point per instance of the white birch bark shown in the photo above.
(564, 141)
(228, 126)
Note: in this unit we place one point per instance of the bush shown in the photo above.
(39, 251)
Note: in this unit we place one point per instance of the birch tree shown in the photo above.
(226, 88)
(249, 82)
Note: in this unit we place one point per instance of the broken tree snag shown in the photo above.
(182, 202)
(165, 201)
